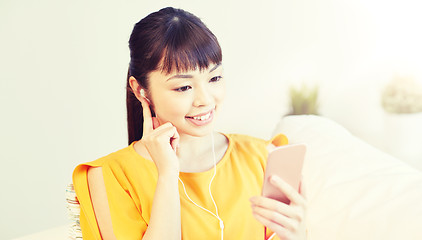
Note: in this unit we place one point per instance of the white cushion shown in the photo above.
(354, 191)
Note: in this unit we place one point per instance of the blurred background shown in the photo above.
(64, 64)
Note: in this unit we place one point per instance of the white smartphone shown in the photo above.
(286, 162)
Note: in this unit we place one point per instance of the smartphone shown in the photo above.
(286, 162)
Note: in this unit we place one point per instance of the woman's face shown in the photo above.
(189, 100)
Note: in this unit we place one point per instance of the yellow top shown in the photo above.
(130, 182)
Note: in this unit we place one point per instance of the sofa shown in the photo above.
(354, 191)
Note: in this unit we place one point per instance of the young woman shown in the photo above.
(178, 178)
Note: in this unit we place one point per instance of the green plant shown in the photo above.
(402, 95)
(303, 100)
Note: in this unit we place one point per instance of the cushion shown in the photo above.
(354, 190)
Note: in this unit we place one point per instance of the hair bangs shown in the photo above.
(189, 47)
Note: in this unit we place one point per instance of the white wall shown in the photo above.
(63, 67)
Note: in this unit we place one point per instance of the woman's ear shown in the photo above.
(136, 88)
(139, 91)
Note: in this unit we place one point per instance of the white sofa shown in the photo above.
(354, 191)
(57, 233)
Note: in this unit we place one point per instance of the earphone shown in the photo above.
(209, 188)
(216, 215)
(142, 92)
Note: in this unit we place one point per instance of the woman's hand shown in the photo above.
(160, 141)
(287, 221)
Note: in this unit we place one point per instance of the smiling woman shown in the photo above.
(185, 44)
(175, 87)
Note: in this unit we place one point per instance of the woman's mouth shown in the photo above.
(200, 120)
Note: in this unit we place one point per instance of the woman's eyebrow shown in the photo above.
(180, 76)
(215, 67)
(190, 76)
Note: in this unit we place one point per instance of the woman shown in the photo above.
(178, 178)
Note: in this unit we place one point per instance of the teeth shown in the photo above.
(202, 118)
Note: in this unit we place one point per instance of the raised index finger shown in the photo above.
(146, 111)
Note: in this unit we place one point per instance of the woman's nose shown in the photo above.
(202, 97)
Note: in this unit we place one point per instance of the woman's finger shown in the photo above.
(276, 206)
(278, 229)
(163, 130)
(146, 111)
(288, 190)
(166, 131)
(276, 217)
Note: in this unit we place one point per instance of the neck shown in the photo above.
(195, 153)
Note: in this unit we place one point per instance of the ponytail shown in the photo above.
(135, 117)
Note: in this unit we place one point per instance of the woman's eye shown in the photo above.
(216, 79)
(183, 89)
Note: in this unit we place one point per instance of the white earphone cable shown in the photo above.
(271, 237)
(209, 188)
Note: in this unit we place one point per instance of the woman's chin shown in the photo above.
(202, 131)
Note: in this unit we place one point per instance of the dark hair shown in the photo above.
(167, 40)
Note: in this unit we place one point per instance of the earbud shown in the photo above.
(142, 92)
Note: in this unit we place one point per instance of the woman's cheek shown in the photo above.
(176, 106)
(220, 94)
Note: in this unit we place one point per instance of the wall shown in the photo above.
(64, 65)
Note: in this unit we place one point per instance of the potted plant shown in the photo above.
(401, 100)
(303, 100)
(402, 96)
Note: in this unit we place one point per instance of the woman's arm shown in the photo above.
(161, 143)
(165, 213)
(99, 201)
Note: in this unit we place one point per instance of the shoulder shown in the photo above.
(241, 140)
(117, 158)
(250, 147)
(118, 164)
(250, 151)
